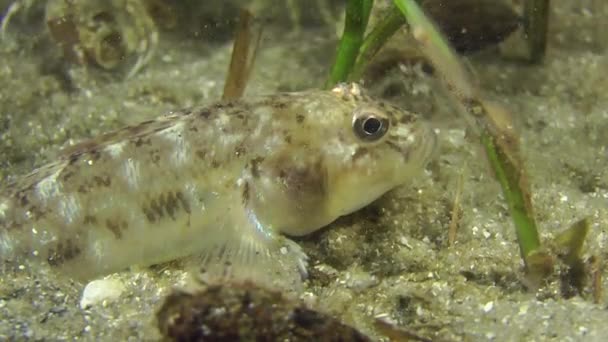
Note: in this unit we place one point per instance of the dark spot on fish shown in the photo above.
(141, 141)
(156, 208)
(139, 128)
(74, 153)
(63, 252)
(406, 154)
(184, 202)
(144, 123)
(276, 102)
(116, 226)
(109, 136)
(83, 189)
(287, 138)
(224, 105)
(102, 181)
(280, 105)
(90, 219)
(240, 150)
(95, 154)
(200, 154)
(300, 118)
(255, 166)
(215, 164)
(170, 208)
(245, 195)
(221, 252)
(36, 212)
(406, 119)
(149, 214)
(170, 204)
(310, 179)
(65, 176)
(167, 203)
(75, 157)
(393, 146)
(205, 113)
(155, 156)
(239, 115)
(159, 129)
(16, 226)
(23, 200)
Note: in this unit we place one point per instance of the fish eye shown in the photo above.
(370, 126)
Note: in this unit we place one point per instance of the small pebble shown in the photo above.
(101, 290)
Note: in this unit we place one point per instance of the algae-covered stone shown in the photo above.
(246, 313)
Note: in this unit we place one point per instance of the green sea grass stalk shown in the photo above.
(536, 22)
(497, 136)
(374, 41)
(355, 24)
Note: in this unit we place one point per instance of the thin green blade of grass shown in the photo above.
(355, 24)
(374, 41)
(509, 177)
(536, 23)
(493, 125)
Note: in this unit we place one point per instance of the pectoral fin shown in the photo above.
(248, 251)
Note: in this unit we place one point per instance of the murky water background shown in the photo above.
(389, 260)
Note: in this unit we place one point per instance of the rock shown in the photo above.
(472, 25)
(100, 291)
(245, 312)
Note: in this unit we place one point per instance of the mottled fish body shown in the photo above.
(226, 180)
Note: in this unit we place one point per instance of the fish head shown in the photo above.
(346, 151)
(378, 148)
